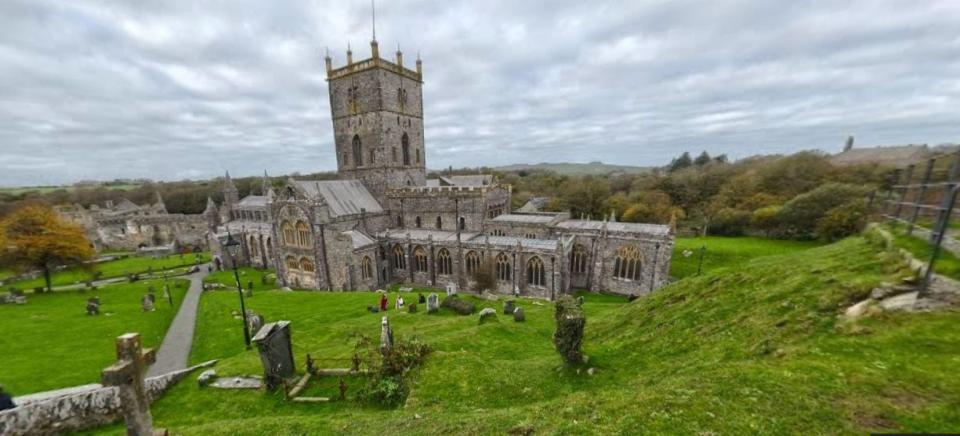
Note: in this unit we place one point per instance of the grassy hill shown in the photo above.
(576, 169)
(752, 349)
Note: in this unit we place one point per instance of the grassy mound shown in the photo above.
(751, 349)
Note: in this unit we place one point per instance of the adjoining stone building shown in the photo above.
(124, 225)
(384, 222)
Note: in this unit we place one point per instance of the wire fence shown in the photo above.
(922, 199)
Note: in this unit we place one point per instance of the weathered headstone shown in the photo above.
(254, 321)
(421, 298)
(93, 306)
(508, 307)
(433, 303)
(451, 288)
(127, 376)
(147, 303)
(248, 293)
(386, 336)
(412, 308)
(518, 315)
(568, 337)
(276, 352)
(488, 315)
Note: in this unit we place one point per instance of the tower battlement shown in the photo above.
(373, 62)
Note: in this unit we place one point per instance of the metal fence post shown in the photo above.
(917, 202)
(950, 199)
(905, 186)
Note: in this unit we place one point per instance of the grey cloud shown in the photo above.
(185, 89)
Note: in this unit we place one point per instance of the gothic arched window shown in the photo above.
(627, 264)
(292, 263)
(463, 223)
(444, 264)
(303, 234)
(289, 237)
(417, 222)
(405, 147)
(535, 275)
(420, 259)
(399, 260)
(578, 262)
(439, 223)
(503, 268)
(357, 151)
(254, 252)
(306, 265)
(472, 261)
(366, 268)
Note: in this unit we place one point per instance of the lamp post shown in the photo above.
(232, 246)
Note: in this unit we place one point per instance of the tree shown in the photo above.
(799, 216)
(36, 237)
(684, 161)
(702, 159)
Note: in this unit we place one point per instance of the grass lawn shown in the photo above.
(113, 268)
(725, 251)
(947, 263)
(247, 275)
(51, 343)
(754, 350)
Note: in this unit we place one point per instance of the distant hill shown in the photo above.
(576, 169)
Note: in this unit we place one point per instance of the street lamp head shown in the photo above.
(231, 245)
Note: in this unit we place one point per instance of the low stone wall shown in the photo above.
(77, 408)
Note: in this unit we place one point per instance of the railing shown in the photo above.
(933, 195)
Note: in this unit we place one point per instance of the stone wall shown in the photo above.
(78, 408)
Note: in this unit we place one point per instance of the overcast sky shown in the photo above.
(179, 89)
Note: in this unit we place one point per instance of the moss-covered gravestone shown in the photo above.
(568, 337)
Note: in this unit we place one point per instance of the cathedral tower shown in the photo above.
(377, 111)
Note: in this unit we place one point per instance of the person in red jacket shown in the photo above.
(383, 302)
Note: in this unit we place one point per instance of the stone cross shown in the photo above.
(127, 376)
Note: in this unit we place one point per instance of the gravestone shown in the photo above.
(248, 293)
(254, 321)
(386, 336)
(508, 307)
(518, 315)
(433, 303)
(451, 288)
(146, 302)
(93, 306)
(127, 376)
(488, 315)
(421, 299)
(276, 352)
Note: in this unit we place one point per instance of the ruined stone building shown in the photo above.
(384, 222)
(124, 225)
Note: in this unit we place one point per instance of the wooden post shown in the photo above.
(127, 376)
(905, 185)
(918, 201)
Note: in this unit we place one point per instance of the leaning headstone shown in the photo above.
(127, 376)
(206, 377)
(276, 352)
(462, 307)
(568, 337)
(93, 306)
(147, 303)
(488, 315)
(508, 307)
(386, 336)
(254, 321)
(451, 288)
(518, 315)
(433, 303)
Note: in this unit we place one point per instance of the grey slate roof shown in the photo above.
(470, 180)
(648, 229)
(519, 218)
(510, 241)
(345, 197)
(254, 201)
(359, 238)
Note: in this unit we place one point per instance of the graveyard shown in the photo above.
(755, 348)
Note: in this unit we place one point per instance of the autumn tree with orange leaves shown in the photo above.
(35, 237)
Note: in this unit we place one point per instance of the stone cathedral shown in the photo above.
(383, 222)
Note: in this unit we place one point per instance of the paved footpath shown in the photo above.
(175, 349)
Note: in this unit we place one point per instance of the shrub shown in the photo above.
(386, 383)
(765, 220)
(842, 221)
(568, 337)
(729, 222)
(454, 303)
(799, 216)
(484, 276)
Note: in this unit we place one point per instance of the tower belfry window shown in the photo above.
(405, 146)
(357, 151)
